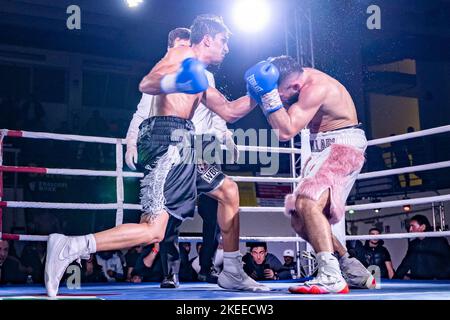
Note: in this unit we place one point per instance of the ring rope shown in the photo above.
(100, 173)
(110, 206)
(391, 236)
(69, 137)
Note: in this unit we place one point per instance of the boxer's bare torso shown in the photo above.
(337, 109)
(183, 105)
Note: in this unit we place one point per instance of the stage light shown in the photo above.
(133, 3)
(406, 207)
(377, 210)
(351, 211)
(251, 15)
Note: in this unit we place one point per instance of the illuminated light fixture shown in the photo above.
(351, 203)
(377, 210)
(133, 3)
(406, 207)
(251, 15)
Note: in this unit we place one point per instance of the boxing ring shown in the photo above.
(388, 289)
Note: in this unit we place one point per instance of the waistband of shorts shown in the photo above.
(169, 122)
(167, 129)
(353, 136)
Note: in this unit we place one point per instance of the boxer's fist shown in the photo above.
(190, 78)
(262, 85)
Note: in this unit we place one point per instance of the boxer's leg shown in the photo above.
(318, 232)
(233, 276)
(63, 250)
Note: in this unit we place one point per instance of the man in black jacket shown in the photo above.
(10, 267)
(375, 254)
(426, 258)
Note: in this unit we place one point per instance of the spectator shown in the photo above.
(33, 258)
(11, 270)
(111, 265)
(196, 260)
(289, 269)
(375, 254)
(33, 115)
(91, 271)
(131, 258)
(186, 273)
(148, 266)
(401, 155)
(426, 258)
(261, 265)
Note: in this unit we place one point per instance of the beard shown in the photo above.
(292, 99)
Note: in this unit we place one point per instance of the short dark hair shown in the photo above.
(181, 33)
(207, 24)
(422, 220)
(375, 229)
(286, 65)
(253, 245)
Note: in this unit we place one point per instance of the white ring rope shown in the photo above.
(391, 236)
(69, 137)
(410, 135)
(109, 206)
(83, 172)
(368, 175)
(389, 172)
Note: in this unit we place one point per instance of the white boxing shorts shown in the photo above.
(332, 161)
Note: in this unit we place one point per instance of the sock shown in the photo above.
(232, 261)
(91, 243)
(82, 245)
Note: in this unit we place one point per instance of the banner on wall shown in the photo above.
(272, 194)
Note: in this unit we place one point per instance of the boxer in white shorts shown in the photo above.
(306, 100)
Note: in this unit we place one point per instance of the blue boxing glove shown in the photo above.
(190, 78)
(262, 85)
(253, 95)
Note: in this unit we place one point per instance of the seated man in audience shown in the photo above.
(148, 266)
(261, 265)
(375, 254)
(111, 264)
(426, 258)
(289, 269)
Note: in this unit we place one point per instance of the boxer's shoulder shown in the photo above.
(179, 54)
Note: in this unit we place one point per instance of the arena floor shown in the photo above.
(389, 290)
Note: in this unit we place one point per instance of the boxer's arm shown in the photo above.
(170, 63)
(290, 122)
(230, 111)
